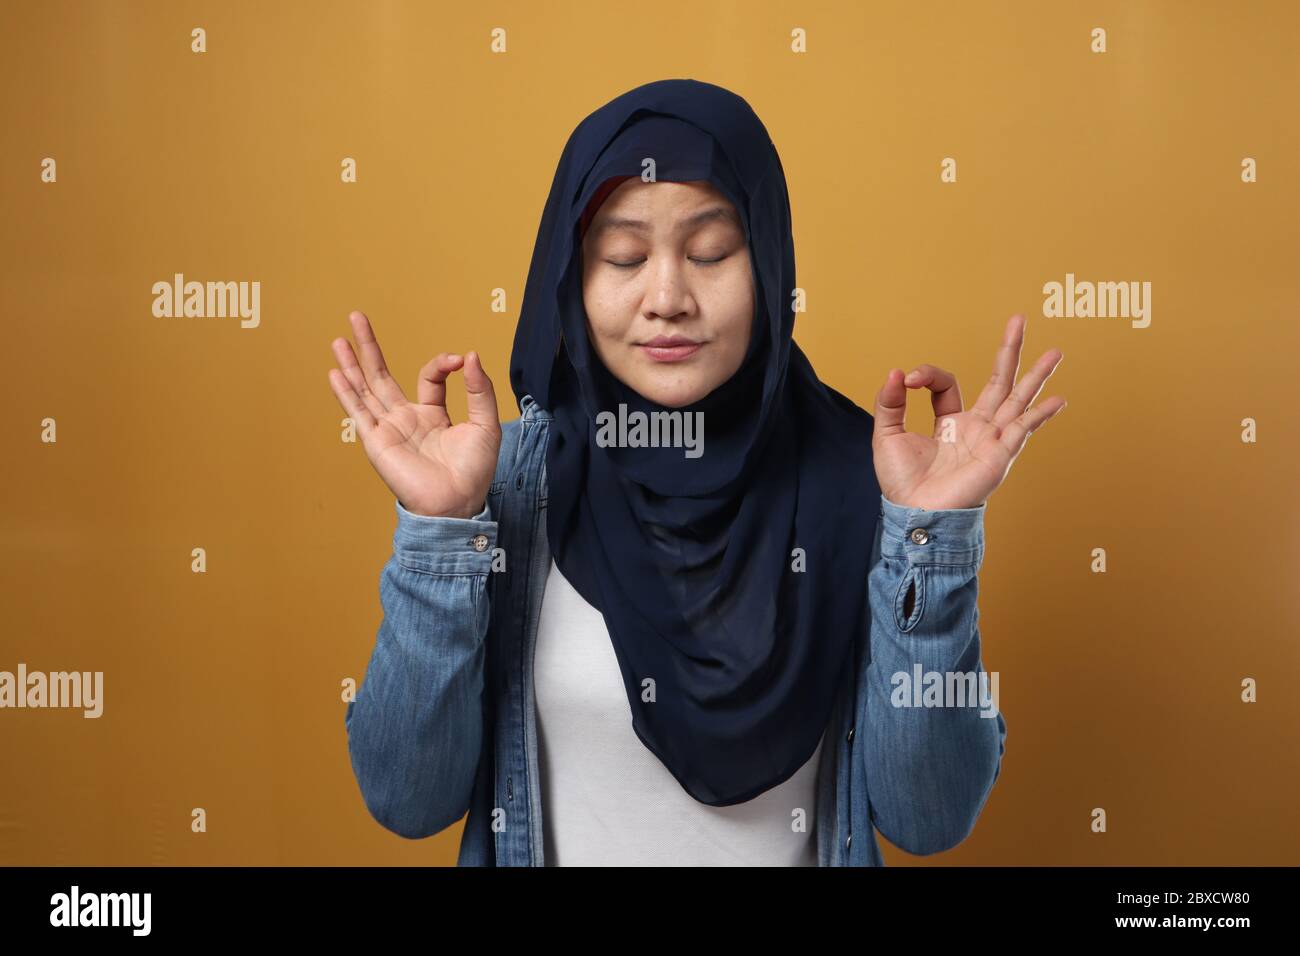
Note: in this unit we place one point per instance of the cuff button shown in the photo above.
(920, 536)
(479, 542)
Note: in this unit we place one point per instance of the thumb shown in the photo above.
(891, 406)
(480, 396)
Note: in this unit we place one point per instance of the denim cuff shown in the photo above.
(451, 545)
(920, 536)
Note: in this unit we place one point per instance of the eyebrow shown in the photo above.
(713, 214)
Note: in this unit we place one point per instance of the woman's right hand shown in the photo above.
(434, 468)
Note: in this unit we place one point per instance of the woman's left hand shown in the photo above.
(971, 452)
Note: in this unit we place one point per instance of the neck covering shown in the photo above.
(734, 584)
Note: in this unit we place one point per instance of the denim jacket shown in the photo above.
(445, 724)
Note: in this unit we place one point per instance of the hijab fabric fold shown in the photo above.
(733, 585)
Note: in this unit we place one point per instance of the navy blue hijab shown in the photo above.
(733, 585)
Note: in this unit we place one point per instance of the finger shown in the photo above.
(372, 362)
(347, 360)
(432, 387)
(891, 406)
(1005, 367)
(945, 394)
(351, 402)
(481, 398)
(1027, 389)
(1015, 435)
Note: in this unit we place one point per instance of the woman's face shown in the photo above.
(668, 290)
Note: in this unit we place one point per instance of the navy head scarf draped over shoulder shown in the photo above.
(733, 584)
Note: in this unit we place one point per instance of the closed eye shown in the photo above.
(633, 265)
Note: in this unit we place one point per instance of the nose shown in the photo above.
(668, 294)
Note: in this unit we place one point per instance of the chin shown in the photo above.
(674, 394)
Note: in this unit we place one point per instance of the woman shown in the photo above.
(673, 613)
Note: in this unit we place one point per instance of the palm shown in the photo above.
(433, 466)
(970, 452)
(429, 466)
(966, 463)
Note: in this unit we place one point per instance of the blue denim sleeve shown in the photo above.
(415, 729)
(932, 755)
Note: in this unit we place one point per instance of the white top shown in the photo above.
(606, 799)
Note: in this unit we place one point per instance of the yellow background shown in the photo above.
(222, 690)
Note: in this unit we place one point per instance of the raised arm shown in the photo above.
(935, 736)
(415, 729)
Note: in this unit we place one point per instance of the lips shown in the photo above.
(668, 341)
(670, 348)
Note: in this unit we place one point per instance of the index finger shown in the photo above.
(945, 393)
(432, 387)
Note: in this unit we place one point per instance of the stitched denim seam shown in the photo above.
(951, 559)
(443, 574)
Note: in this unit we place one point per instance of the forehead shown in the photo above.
(647, 207)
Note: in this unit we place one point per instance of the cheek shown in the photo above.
(736, 314)
(605, 314)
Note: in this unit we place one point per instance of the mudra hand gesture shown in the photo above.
(971, 451)
(433, 467)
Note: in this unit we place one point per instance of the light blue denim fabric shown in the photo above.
(444, 722)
